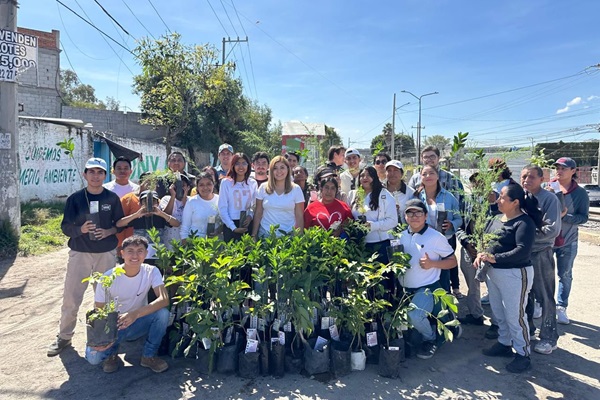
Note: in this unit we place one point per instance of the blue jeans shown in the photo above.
(419, 317)
(154, 325)
(565, 258)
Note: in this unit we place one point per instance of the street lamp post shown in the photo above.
(419, 123)
(394, 108)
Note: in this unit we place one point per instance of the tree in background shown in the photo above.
(76, 94)
(404, 144)
(439, 141)
(332, 138)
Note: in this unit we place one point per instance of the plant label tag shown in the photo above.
(274, 340)
(251, 346)
(215, 332)
(188, 309)
(287, 327)
(261, 324)
(333, 331)
(324, 323)
(395, 242)
(281, 338)
(228, 334)
(253, 322)
(206, 342)
(371, 339)
(94, 207)
(374, 326)
(186, 328)
(321, 343)
(394, 348)
(252, 333)
(441, 207)
(276, 324)
(172, 316)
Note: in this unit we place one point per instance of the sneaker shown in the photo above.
(485, 299)
(537, 310)
(427, 350)
(57, 346)
(492, 332)
(111, 364)
(519, 364)
(544, 347)
(458, 294)
(469, 319)
(561, 315)
(155, 364)
(498, 350)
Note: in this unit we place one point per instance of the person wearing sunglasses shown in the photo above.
(381, 159)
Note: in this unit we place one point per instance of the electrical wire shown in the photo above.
(94, 26)
(248, 46)
(111, 17)
(218, 19)
(137, 19)
(159, 16)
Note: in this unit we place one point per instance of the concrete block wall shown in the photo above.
(120, 124)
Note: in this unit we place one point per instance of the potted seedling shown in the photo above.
(101, 323)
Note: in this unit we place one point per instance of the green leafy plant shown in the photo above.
(541, 159)
(68, 146)
(106, 282)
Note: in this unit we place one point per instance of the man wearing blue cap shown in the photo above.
(225, 154)
(89, 220)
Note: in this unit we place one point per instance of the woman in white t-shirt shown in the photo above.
(278, 202)
(237, 198)
(201, 209)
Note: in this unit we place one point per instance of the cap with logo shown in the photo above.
(147, 193)
(227, 147)
(96, 162)
(566, 162)
(394, 163)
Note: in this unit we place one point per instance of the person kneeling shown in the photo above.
(430, 253)
(137, 318)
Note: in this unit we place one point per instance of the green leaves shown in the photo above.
(68, 146)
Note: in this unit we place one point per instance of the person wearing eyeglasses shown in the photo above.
(430, 155)
(430, 254)
(381, 159)
(237, 198)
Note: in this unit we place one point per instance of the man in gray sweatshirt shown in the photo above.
(542, 258)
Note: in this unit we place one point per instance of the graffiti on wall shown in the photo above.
(151, 163)
(48, 157)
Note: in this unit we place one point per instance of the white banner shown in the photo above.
(18, 52)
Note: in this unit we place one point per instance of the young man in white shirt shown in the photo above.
(137, 318)
(350, 176)
(122, 171)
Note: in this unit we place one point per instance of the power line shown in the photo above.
(227, 14)
(218, 19)
(248, 46)
(71, 39)
(159, 16)
(137, 19)
(111, 17)
(94, 26)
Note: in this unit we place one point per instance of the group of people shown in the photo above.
(246, 195)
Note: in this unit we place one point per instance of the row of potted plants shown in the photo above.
(311, 302)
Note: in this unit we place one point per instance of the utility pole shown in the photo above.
(9, 136)
(419, 123)
(230, 40)
(393, 149)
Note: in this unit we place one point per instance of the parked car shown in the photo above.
(593, 192)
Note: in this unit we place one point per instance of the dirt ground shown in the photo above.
(30, 299)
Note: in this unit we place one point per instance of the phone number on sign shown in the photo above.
(7, 74)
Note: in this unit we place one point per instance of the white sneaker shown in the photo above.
(485, 299)
(537, 310)
(544, 347)
(561, 315)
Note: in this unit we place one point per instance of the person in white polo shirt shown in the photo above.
(349, 177)
(430, 253)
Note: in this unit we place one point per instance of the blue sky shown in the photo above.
(340, 62)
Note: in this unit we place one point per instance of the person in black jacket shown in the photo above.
(510, 277)
(89, 220)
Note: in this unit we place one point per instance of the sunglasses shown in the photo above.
(379, 162)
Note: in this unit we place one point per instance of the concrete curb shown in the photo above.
(589, 237)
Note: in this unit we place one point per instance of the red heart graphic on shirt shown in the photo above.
(329, 218)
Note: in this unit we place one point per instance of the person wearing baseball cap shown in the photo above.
(89, 221)
(575, 213)
(225, 155)
(430, 253)
(394, 183)
(349, 177)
